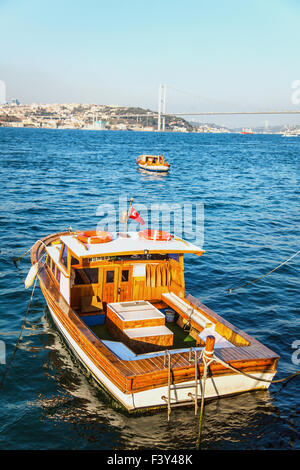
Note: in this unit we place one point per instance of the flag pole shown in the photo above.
(127, 216)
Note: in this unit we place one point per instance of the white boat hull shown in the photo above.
(216, 387)
(156, 168)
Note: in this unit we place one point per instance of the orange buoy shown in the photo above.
(94, 236)
(156, 235)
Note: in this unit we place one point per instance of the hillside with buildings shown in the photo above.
(109, 117)
(91, 116)
(86, 116)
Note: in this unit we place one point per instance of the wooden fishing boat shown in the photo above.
(155, 163)
(111, 294)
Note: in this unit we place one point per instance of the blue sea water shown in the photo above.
(249, 185)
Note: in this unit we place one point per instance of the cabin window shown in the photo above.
(86, 276)
(53, 268)
(74, 261)
(174, 256)
(110, 277)
(58, 275)
(79, 278)
(92, 274)
(125, 275)
(64, 256)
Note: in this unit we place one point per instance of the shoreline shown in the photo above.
(138, 131)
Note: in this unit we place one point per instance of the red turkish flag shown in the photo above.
(133, 214)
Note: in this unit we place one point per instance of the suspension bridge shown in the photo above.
(161, 114)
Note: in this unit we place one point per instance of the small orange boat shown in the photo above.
(155, 163)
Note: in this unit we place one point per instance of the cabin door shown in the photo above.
(125, 283)
(110, 284)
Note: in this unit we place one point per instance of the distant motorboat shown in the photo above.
(289, 133)
(247, 131)
(154, 163)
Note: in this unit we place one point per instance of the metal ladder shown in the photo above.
(193, 397)
(168, 399)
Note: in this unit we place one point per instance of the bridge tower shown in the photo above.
(161, 122)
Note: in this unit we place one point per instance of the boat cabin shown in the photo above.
(125, 268)
(152, 159)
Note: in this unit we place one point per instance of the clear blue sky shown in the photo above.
(234, 54)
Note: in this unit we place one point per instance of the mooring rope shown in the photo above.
(215, 358)
(207, 360)
(264, 275)
(20, 336)
(15, 260)
(206, 363)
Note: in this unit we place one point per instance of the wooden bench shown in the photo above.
(186, 310)
(135, 314)
(152, 338)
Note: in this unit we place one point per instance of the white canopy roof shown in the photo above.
(126, 246)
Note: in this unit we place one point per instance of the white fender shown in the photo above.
(31, 275)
